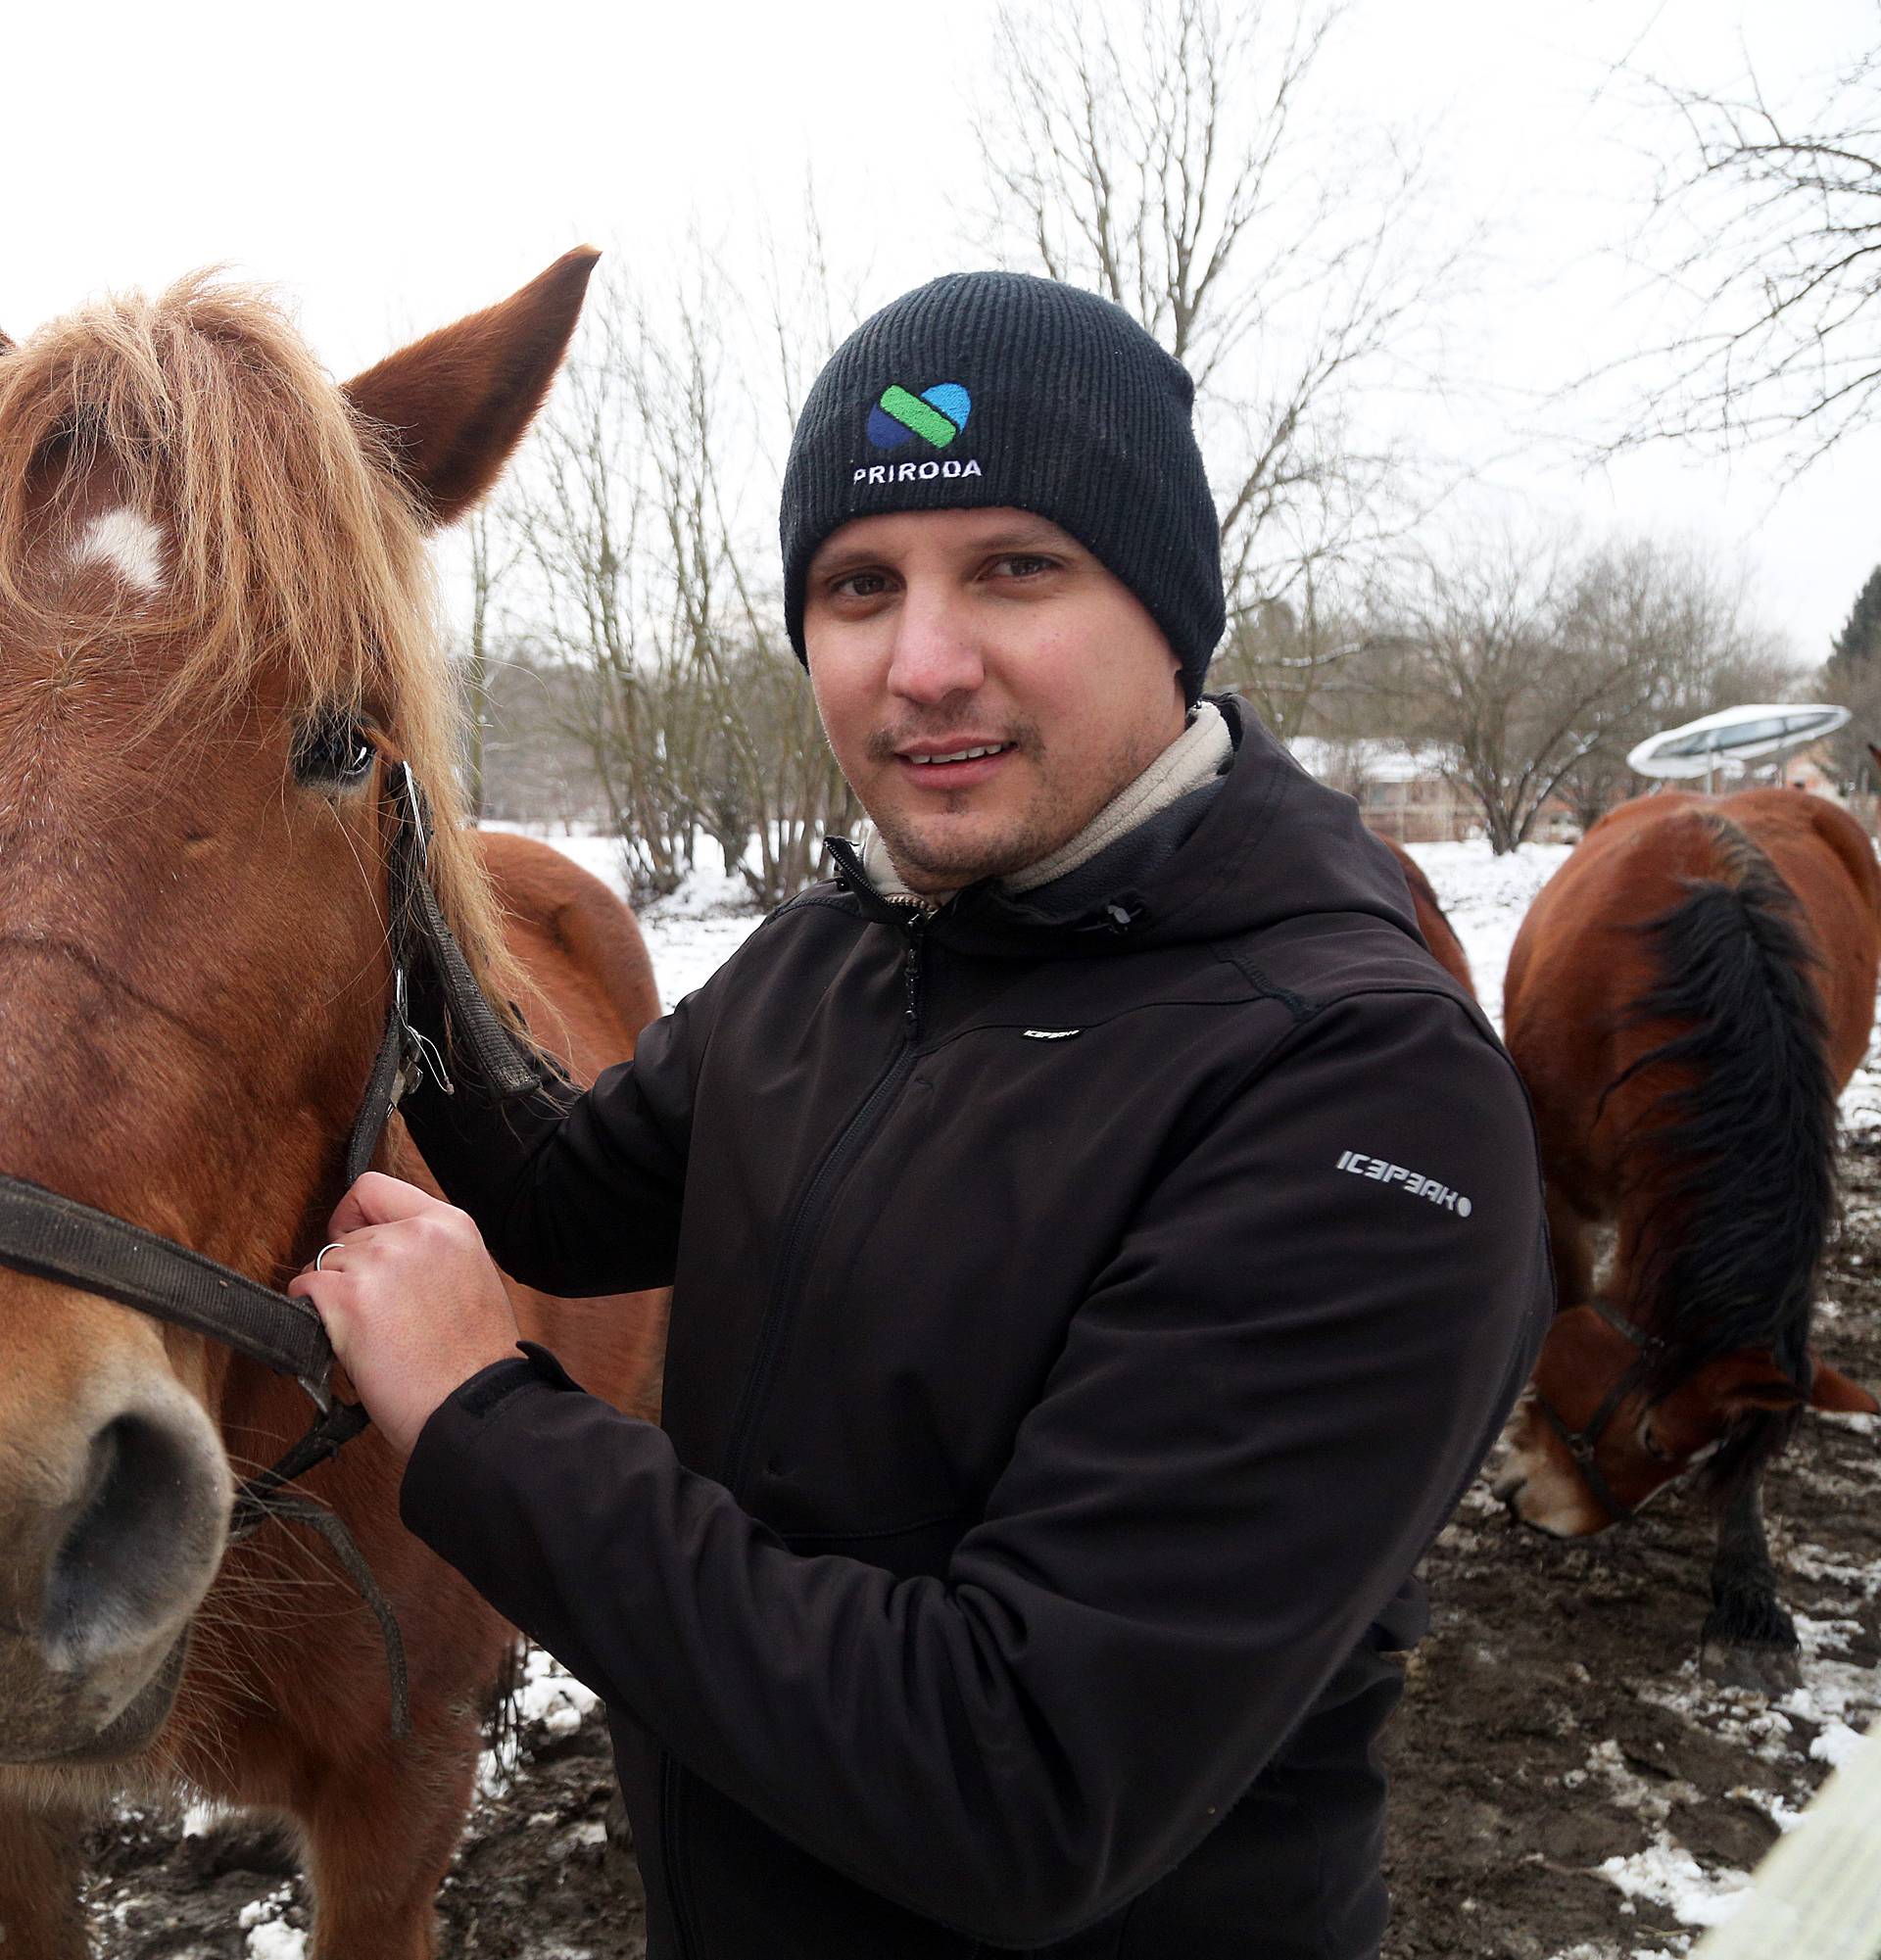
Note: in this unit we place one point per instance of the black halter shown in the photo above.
(53, 1237)
(1583, 1442)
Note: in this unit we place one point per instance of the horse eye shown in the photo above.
(1650, 1442)
(332, 753)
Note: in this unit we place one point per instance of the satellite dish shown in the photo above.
(1734, 737)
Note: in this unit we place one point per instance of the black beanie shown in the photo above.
(993, 389)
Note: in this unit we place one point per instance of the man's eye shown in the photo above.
(861, 585)
(1024, 565)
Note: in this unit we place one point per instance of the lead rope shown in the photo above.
(266, 1495)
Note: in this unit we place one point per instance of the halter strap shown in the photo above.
(1582, 1444)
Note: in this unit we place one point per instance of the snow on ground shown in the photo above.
(1485, 897)
(690, 935)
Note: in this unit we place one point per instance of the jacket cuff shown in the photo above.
(432, 1477)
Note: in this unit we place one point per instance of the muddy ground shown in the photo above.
(1555, 1722)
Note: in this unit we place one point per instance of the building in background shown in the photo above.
(1406, 791)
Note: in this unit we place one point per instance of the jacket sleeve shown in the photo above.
(1263, 1411)
(575, 1192)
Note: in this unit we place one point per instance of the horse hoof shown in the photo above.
(1769, 1670)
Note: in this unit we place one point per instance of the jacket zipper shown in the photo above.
(811, 1211)
(813, 1208)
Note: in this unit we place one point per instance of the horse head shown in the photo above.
(1600, 1428)
(215, 644)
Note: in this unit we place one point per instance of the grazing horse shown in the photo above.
(217, 661)
(1684, 999)
(1438, 933)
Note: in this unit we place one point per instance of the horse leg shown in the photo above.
(42, 1858)
(378, 1840)
(1749, 1640)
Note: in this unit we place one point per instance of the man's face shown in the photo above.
(932, 633)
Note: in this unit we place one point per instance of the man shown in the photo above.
(1104, 1244)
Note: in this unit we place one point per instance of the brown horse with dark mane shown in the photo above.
(1685, 998)
(217, 655)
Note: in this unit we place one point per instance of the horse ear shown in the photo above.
(1746, 1382)
(453, 405)
(1832, 1392)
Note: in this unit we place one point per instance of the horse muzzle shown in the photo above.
(111, 1527)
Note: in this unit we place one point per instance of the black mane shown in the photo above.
(1741, 1162)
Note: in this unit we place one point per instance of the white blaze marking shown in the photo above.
(129, 543)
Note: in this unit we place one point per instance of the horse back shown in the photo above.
(1584, 962)
(581, 947)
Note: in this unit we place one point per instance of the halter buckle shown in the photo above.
(419, 1055)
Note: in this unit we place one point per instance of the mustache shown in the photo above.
(885, 744)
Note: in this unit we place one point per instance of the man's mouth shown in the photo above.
(973, 754)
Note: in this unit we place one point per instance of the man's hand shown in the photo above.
(411, 1301)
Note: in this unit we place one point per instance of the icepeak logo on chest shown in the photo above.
(1381, 1171)
(1049, 1034)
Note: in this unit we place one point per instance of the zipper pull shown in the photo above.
(911, 978)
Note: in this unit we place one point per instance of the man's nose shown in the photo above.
(935, 653)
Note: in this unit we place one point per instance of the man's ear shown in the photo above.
(1832, 1392)
(455, 403)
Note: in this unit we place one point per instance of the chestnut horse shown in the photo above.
(215, 646)
(1684, 999)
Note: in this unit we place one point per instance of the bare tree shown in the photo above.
(494, 553)
(1535, 667)
(1173, 163)
(1292, 662)
(1765, 232)
(640, 517)
(581, 508)
(1687, 623)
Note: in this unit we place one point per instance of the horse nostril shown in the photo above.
(140, 1550)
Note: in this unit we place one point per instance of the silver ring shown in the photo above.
(336, 1246)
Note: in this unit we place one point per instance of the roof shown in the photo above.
(1370, 758)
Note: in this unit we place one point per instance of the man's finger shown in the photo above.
(306, 1285)
(378, 1200)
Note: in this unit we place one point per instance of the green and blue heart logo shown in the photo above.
(936, 415)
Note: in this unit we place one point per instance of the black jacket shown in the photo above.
(1087, 1309)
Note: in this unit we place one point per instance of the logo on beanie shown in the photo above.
(936, 415)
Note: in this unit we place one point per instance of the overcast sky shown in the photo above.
(391, 167)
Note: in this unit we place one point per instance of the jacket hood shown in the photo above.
(1267, 844)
